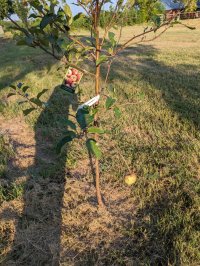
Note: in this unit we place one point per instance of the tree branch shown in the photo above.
(62, 59)
(108, 72)
(69, 37)
(108, 26)
(127, 43)
(157, 36)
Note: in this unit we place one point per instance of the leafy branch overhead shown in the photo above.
(35, 103)
(82, 126)
(47, 26)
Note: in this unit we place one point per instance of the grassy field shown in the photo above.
(48, 208)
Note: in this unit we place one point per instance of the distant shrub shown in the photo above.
(6, 25)
(140, 13)
(105, 17)
(81, 21)
(137, 14)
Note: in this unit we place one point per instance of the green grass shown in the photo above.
(159, 93)
(6, 152)
(8, 190)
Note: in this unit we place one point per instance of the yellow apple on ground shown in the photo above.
(130, 179)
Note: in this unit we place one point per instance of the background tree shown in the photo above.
(189, 4)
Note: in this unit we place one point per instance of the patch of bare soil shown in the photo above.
(92, 233)
(22, 139)
(57, 222)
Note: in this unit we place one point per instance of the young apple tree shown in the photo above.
(46, 25)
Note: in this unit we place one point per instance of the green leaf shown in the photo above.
(36, 4)
(47, 19)
(36, 101)
(77, 16)
(70, 124)
(25, 88)
(109, 102)
(102, 59)
(94, 110)
(10, 94)
(117, 112)
(41, 93)
(157, 20)
(93, 148)
(33, 16)
(13, 87)
(71, 133)
(64, 44)
(28, 111)
(96, 130)
(68, 13)
(111, 36)
(62, 142)
(84, 118)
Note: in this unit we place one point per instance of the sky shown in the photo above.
(75, 9)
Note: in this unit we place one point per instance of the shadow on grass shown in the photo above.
(37, 237)
(179, 86)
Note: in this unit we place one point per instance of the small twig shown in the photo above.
(126, 44)
(64, 31)
(84, 8)
(157, 36)
(31, 103)
(120, 35)
(72, 115)
(128, 103)
(17, 25)
(108, 27)
(64, 60)
(121, 155)
(108, 71)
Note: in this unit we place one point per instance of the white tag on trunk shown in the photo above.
(90, 102)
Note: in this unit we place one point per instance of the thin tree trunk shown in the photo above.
(97, 87)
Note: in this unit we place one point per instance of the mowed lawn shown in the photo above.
(48, 206)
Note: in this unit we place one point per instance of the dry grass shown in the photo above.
(83, 225)
(48, 207)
